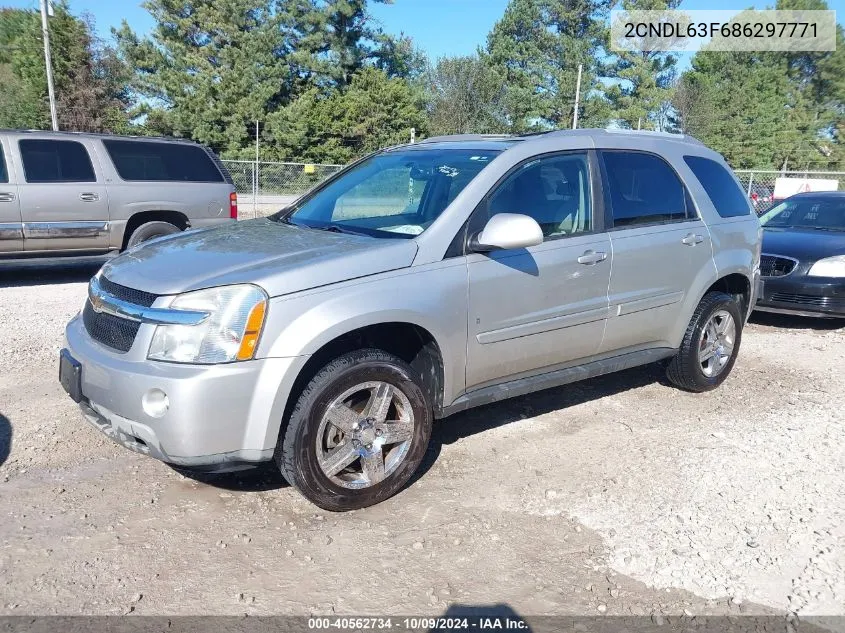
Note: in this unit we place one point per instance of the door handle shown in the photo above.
(89, 197)
(7, 197)
(592, 257)
(692, 239)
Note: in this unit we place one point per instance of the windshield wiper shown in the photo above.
(332, 228)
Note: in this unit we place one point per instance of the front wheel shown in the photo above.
(710, 346)
(357, 433)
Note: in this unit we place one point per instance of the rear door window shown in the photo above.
(157, 162)
(721, 188)
(4, 174)
(55, 161)
(644, 189)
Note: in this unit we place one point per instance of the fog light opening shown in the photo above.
(155, 403)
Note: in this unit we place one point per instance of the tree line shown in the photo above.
(320, 81)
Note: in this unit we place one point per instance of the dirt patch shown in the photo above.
(619, 495)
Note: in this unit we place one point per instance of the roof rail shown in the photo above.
(176, 139)
(466, 137)
(587, 131)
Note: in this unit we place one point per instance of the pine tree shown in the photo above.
(643, 81)
(536, 48)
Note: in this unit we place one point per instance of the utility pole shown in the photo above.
(48, 61)
(577, 99)
(255, 175)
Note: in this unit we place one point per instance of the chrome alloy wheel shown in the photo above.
(718, 338)
(365, 434)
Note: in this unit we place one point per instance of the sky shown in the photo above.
(439, 27)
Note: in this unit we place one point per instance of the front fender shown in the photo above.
(433, 297)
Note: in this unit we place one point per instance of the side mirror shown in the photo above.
(507, 231)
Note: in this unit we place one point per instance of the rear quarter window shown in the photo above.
(721, 188)
(4, 174)
(162, 162)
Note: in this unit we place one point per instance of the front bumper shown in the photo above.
(220, 417)
(802, 295)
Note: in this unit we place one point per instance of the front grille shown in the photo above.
(112, 331)
(776, 266)
(136, 297)
(808, 300)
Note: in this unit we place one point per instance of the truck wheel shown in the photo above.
(150, 230)
(710, 346)
(357, 433)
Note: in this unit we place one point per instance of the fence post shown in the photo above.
(255, 189)
(750, 180)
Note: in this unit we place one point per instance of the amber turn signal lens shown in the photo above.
(254, 323)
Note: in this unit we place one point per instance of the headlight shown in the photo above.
(230, 333)
(829, 267)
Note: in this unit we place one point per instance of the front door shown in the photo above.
(64, 204)
(11, 233)
(535, 308)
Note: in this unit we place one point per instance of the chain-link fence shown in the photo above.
(264, 188)
(759, 184)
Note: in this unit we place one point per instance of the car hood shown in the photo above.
(279, 257)
(803, 244)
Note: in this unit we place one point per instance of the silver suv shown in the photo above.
(418, 282)
(65, 194)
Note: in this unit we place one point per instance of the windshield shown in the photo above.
(393, 194)
(824, 214)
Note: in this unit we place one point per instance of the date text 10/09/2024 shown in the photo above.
(419, 624)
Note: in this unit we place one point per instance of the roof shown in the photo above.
(594, 134)
(819, 194)
(65, 135)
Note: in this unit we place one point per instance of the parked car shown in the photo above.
(416, 283)
(762, 197)
(66, 194)
(803, 260)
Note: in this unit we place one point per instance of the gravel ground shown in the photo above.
(620, 495)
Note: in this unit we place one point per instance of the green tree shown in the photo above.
(536, 48)
(374, 111)
(90, 91)
(768, 109)
(211, 69)
(464, 95)
(642, 82)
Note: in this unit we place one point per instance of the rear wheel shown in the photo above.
(149, 231)
(357, 433)
(710, 346)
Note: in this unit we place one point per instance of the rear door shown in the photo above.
(63, 200)
(11, 230)
(660, 246)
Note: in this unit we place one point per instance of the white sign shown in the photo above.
(785, 187)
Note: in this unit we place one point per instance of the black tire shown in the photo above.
(684, 370)
(296, 451)
(150, 230)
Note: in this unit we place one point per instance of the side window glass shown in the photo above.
(55, 161)
(161, 161)
(554, 190)
(726, 196)
(4, 174)
(644, 190)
